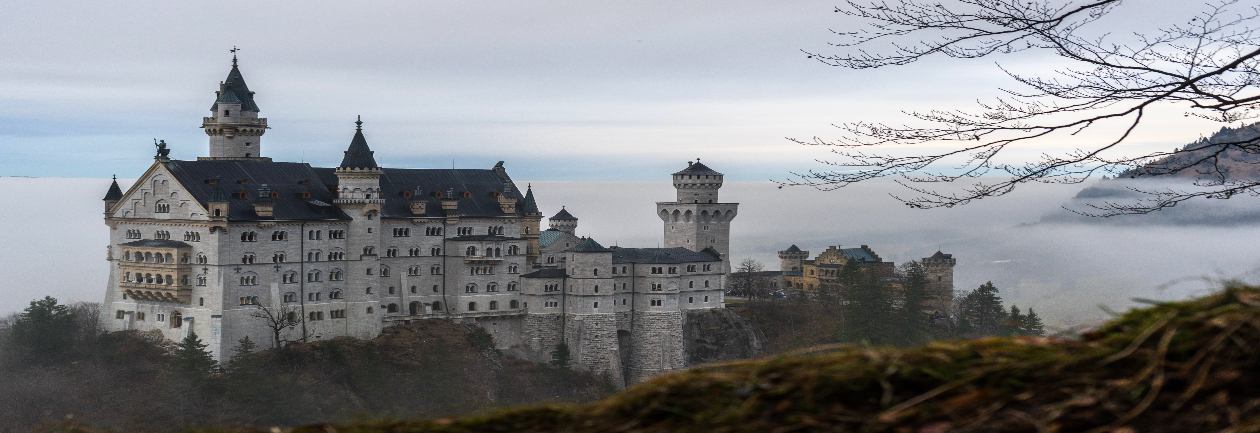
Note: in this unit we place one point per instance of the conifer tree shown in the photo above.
(43, 332)
(1033, 325)
(191, 359)
(982, 312)
(911, 323)
(867, 308)
(561, 358)
(1014, 322)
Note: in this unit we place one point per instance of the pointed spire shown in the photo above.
(114, 193)
(218, 195)
(531, 207)
(234, 90)
(358, 155)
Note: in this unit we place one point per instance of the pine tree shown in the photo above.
(1015, 322)
(867, 308)
(983, 312)
(43, 332)
(911, 322)
(561, 358)
(1033, 325)
(191, 359)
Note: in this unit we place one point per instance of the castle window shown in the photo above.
(335, 294)
(192, 237)
(514, 304)
(249, 237)
(706, 283)
(413, 289)
(470, 288)
(139, 315)
(177, 319)
(315, 315)
(337, 314)
(691, 300)
(413, 252)
(673, 269)
(335, 275)
(433, 231)
(246, 280)
(227, 113)
(391, 290)
(435, 251)
(596, 305)
(402, 232)
(369, 251)
(471, 251)
(691, 284)
(414, 270)
(201, 280)
(277, 258)
(312, 276)
(183, 280)
(290, 297)
(512, 269)
(368, 290)
(162, 234)
(162, 207)
(336, 234)
(595, 272)
(369, 271)
(369, 310)
(313, 296)
(279, 235)
(472, 306)
(391, 252)
(467, 194)
(514, 250)
(512, 287)
(494, 305)
(435, 270)
(496, 253)
(691, 268)
(437, 306)
(218, 212)
(658, 302)
(247, 259)
(249, 300)
(492, 287)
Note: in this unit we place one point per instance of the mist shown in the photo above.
(1065, 268)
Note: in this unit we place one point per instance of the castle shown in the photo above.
(799, 272)
(236, 245)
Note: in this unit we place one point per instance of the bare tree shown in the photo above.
(1206, 65)
(749, 280)
(278, 319)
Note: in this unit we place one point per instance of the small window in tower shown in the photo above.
(247, 144)
(227, 112)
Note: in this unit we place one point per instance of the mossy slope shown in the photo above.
(1175, 367)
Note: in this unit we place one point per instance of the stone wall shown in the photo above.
(656, 345)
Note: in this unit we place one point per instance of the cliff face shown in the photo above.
(720, 335)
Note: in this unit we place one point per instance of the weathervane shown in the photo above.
(358, 124)
(234, 50)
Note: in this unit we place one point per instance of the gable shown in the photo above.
(157, 194)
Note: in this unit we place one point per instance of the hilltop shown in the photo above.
(1172, 367)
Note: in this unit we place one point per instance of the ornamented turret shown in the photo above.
(563, 221)
(358, 176)
(696, 220)
(234, 127)
(531, 225)
(792, 259)
(113, 195)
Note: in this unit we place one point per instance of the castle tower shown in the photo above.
(940, 273)
(563, 221)
(234, 127)
(697, 220)
(792, 259)
(359, 196)
(112, 196)
(530, 226)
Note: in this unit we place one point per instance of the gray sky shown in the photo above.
(560, 90)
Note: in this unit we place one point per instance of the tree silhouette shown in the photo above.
(1207, 65)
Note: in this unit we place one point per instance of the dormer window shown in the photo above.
(275, 194)
(242, 194)
(406, 194)
(306, 194)
(467, 194)
(437, 194)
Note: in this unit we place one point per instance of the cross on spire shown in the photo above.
(234, 50)
(358, 124)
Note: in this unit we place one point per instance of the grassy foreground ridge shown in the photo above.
(1175, 367)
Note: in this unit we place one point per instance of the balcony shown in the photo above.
(489, 260)
(174, 293)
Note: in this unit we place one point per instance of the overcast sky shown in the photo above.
(561, 90)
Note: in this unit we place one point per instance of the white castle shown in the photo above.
(234, 245)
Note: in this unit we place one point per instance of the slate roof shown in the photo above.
(358, 155)
(938, 256)
(563, 215)
(157, 243)
(660, 255)
(549, 236)
(859, 254)
(235, 90)
(793, 249)
(697, 168)
(114, 193)
(482, 184)
(588, 246)
(530, 205)
(546, 273)
(283, 177)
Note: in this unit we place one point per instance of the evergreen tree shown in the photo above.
(191, 359)
(43, 332)
(867, 308)
(911, 322)
(1014, 322)
(982, 312)
(561, 358)
(1033, 325)
(241, 355)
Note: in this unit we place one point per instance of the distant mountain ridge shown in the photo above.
(1234, 163)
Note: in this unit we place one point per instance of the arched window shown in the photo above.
(512, 287)
(312, 276)
(335, 294)
(161, 207)
(127, 256)
(384, 271)
(335, 275)
(470, 288)
(368, 251)
(492, 287)
(513, 250)
(290, 297)
(496, 253)
(201, 259)
(177, 319)
(471, 251)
